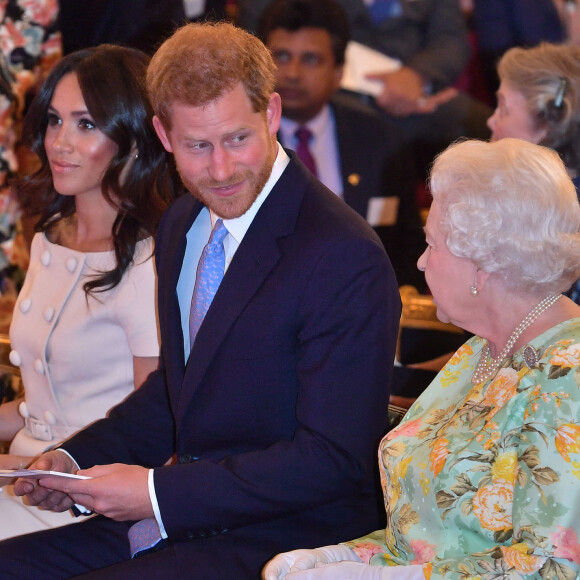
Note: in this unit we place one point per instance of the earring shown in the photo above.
(136, 155)
(473, 288)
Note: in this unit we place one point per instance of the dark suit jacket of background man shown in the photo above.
(430, 36)
(375, 161)
(276, 417)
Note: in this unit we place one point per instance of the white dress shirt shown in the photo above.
(323, 146)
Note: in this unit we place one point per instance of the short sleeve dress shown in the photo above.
(75, 353)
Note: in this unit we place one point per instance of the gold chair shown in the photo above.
(419, 312)
(5, 365)
(424, 345)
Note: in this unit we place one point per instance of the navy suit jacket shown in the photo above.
(276, 416)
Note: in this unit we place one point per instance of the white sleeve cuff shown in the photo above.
(67, 453)
(155, 505)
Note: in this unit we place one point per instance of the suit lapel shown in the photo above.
(257, 255)
(346, 137)
(168, 269)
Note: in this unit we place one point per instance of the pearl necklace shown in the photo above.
(485, 371)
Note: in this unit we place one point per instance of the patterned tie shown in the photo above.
(210, 272)
(382, 9)
(143, 535)
(303, 136)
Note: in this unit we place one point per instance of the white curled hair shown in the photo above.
(510, 207)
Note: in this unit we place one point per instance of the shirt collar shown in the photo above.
(238, 227)
(317, 125)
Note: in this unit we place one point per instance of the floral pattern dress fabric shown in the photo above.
(484, 481)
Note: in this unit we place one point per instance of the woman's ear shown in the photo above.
(481, 278)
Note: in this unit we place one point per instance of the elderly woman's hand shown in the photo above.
(8, 461)
(359, 571)
(287, 562)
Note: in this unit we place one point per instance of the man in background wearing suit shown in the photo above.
(357, 154)
(258, 433)
(429, 38)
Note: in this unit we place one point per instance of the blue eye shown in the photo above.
(199, 146)
(281, 56)
(311, 59)
(239, 139)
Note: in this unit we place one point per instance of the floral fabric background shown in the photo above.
(30, 44)
(484, 481)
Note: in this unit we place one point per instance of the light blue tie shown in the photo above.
(210, 272)
(143, 536)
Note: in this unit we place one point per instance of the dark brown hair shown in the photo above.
(112, 81)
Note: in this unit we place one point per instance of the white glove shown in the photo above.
(297, 560)
(358, 571)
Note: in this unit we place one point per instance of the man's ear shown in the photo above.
(273, 113)
(162, 133)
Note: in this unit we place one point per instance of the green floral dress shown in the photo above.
(484, 481)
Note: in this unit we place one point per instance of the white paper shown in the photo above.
(361, 60)
(38, 473)
(382, 211)
(193, 8)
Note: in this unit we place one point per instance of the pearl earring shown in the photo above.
(473, 288)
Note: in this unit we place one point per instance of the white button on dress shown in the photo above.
(71, 264)
(45, 258)
(48, 313)
(15, 358)
(23, 410)
(49, 417)
(38, 366)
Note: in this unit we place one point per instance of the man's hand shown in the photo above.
(570, 17)
(117, 491)
(45, 497)
(402, 93)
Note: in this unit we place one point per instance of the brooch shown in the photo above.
(530, 357)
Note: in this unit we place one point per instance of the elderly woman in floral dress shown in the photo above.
(481, 479)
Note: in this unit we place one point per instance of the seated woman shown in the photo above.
(539, 100)
(84, 330)
(479, 478)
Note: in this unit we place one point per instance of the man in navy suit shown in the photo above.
(259, 437)
(359, 155)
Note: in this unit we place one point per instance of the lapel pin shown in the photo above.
(354, 179)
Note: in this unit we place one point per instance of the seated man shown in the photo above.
(429, 37)
(246, 441)
(357, 154)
